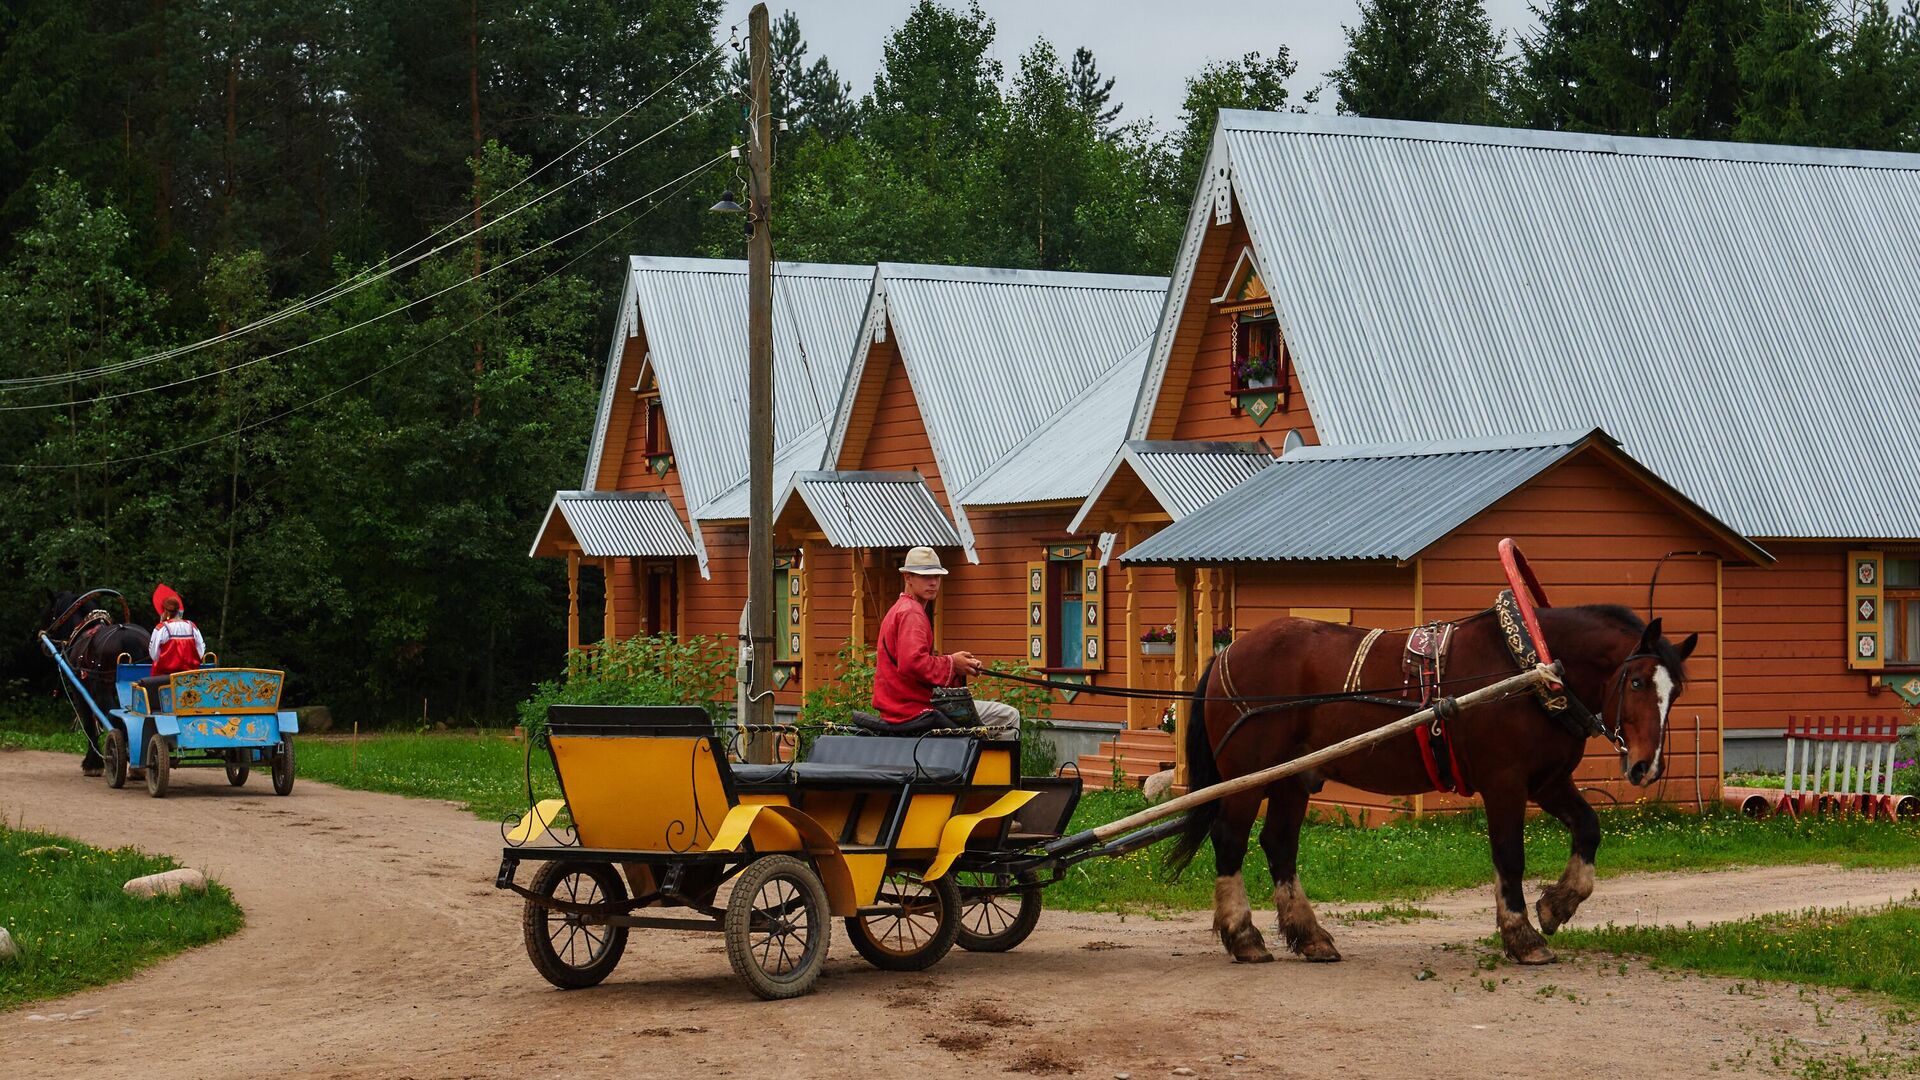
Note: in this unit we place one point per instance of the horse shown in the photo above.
(92, 644)
(1623, 676)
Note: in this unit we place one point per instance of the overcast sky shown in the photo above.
(1148, 46)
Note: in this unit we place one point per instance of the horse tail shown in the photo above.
(1202, 771)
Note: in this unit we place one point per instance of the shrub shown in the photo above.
(656, 670)
(833, 700)
(1906, 762)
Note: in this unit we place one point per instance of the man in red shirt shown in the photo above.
(907, 669)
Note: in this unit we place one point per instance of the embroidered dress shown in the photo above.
(176, 645)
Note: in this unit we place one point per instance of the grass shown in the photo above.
(1408, 860)
(1416, 858)
(1851, 950)
(75, 926)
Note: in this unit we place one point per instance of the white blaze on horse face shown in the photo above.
(1663, 689)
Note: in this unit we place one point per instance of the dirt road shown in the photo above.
(376, 946)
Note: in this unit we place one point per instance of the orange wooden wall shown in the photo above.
(1786, 640)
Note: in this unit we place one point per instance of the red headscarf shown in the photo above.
(161, 595)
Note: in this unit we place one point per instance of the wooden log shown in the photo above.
(1505, 688)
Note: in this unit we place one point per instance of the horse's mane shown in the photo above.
(1634, 625)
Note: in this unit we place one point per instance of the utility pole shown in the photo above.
(760, 601)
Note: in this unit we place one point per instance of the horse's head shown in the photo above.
(1638, 698)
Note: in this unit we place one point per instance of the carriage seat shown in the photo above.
(919, 725)
(857, 759)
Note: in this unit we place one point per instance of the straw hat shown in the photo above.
(924, 561)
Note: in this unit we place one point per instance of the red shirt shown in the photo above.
(907, 669)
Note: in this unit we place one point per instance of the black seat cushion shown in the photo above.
(936, 759)
(761, 774)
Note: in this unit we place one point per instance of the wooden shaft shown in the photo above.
(1504, 688)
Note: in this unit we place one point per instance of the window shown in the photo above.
(786, 592)
(1900, 607)
(1065, 596)
(1259, 361)
(658, 444)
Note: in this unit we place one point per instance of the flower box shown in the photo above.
(1156, 648)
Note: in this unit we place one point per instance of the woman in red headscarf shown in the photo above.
(176, 644)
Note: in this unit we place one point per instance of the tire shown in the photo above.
(999, 922)
(778, 903)
(918, 939)
(238, 767)
(116, 758)
(159, 765)
(283, 767)
(565, 951)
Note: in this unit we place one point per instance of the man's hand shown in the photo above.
(965, 663)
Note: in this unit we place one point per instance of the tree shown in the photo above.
(1251, 82)
(1411, 60)
(1873, 101)
(1091, 93)
(1787, 67)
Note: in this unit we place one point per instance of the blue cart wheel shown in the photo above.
(116, 755)
(159, 764)
(237, 767)
(283, 767)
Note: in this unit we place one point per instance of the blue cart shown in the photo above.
(224, 717)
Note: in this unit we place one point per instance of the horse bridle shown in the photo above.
(1615, 733)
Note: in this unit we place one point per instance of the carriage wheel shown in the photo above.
(776, 927)
(283, 767)
(920, 934)
(997, 921)
(567, 950)
(238, 767)
(116, 755)
(159, 764)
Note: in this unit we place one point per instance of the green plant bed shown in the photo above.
(1411, 859)
(1877, 950)
(75, 926)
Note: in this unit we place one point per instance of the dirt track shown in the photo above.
(376, 945)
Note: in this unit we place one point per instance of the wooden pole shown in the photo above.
(610, 610)
(1138, 709)
(573, 601)
(1508, 687)
(760, 601)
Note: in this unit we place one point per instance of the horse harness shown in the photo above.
(1560, 703)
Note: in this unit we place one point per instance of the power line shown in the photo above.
(683, 181)
(364, 279)
(416, 302)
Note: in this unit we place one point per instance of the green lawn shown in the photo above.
(1338, 863)
(75, 926)
(1878, 950)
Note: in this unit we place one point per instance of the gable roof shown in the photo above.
(1736, 314)
(693, 312)
(620, 524)
(870, 509)
(995, 354)
(1180, 477)
(1382, 502)
(1060, 459)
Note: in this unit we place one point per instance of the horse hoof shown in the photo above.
(1321, 954)
(1261, 957)
(1534, 957)
(1550, 920)
(91, 770)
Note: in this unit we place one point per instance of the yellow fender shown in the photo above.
(534, 825)
(953, 838)
(817, 842)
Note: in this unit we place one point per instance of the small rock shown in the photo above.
(440, 725)
(1122, 1076)
(54, 850)
(1183, 1071)
(167, 884)
(1423, 975)
(1157, 786)
(8, 950)
(314, 719)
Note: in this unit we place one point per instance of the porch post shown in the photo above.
(1136, 707)
(1204, 602)
(573, 601)
(857, 624)
(609, 627)
(1183, 667)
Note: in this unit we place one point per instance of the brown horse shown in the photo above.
(1511, 751)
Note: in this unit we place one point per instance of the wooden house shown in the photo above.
(1725, 327)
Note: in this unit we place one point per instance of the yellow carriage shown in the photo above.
(905, 838)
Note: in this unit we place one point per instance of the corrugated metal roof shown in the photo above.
(694, 312)
(1184, 476)
(1745, 319)
(872, 509)
(1062, 457)
(609, 524)
(1367, 504)
(995, 354)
